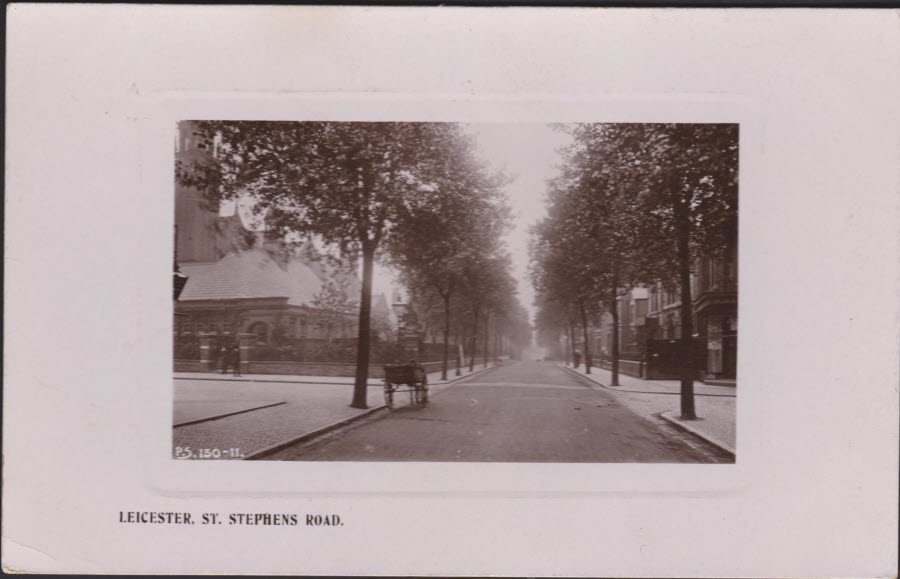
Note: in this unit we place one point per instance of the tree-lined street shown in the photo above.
(414, 195)
(633, 205)
(626, 207)
(517, 412)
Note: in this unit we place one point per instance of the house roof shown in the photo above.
(251, 273)
(381, 309)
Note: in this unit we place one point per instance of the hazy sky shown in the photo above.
(526, 151)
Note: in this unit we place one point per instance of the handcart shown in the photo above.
(412, 376)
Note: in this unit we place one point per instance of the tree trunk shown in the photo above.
(446, 336)
(487, 326)
(361, 383)
(587, 347)
(474, 341)
(460, 339)
(614, 310)
(683, 230)
(572, 344)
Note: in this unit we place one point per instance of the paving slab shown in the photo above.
(632, 384)
(433, 377)
(717, 412)
(308, 407)
(710, 428)
(193, 411)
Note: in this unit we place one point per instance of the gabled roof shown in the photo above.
(251, 273)
(381, 309)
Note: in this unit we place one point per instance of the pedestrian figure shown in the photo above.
(576, 358)
(236, 359)
(223, 358)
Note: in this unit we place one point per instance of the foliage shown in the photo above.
(456, 232)
(351, 185)
(333, 297)
(634, 203)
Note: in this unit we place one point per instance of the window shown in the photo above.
(261, 331)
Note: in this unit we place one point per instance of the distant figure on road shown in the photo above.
(236, 359)
(576, 358)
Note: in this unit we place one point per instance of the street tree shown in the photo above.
(458, 226)
(592, 189)
(345, 184)
(689, 204)
(563, 267)
(664, 196)
(488, 285)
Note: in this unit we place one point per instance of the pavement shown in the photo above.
(715, 406)
(291, 378)
(518, 412)
(252, 415)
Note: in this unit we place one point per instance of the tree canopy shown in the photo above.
(412, 194)
(353, 186)
(636, 204)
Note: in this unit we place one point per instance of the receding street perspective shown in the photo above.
(455, 292)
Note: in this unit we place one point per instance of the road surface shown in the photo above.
(516, 412)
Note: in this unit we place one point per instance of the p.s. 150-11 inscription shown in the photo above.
(186, 453)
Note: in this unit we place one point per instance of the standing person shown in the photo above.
(576, 358)
(236, 359)
(418, 370)
(222, 356)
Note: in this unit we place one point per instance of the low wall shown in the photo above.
(308, 368)
(191, 366)
(627, 367)
(632, 368)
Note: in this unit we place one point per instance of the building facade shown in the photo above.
(650, 325)
(714, 290)
(285, 301)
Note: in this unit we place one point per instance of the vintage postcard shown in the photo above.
(456, 291)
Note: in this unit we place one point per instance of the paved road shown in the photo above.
(518, 412)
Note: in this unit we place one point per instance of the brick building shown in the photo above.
(653, 314)
(715, 293)
(239, 283)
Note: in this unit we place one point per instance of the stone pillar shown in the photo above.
(246, 341)
(410, 343)
(207, 357)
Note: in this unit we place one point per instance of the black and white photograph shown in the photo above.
(448, 291)
(403, 291)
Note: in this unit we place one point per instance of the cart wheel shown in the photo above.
(389, 397)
